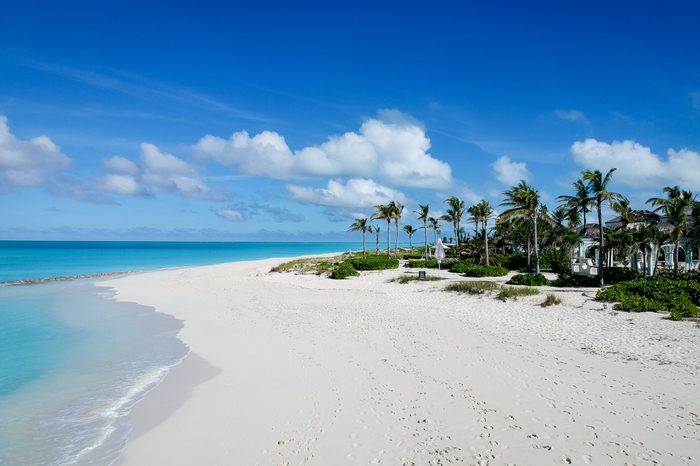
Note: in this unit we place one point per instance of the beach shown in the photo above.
(300, 369)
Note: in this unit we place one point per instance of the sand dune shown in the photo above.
(299, 369)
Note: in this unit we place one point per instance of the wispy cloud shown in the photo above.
(572, 115)
(144, 88)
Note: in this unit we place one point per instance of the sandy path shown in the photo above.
(305, 370)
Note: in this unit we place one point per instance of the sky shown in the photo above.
(286, 120)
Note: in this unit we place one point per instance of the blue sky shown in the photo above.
(284, 120)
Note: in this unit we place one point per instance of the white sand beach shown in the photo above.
(300, 369)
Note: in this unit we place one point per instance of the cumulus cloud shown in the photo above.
(509, 172)
(574, 116)
(356, 192)
(638, 165)
(393, 149)
(27, 163)
(156, 171)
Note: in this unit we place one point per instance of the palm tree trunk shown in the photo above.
(377, 242)
(396, 243)
(676, 246)
(410, 243)
(364, 244)
(529, 244)
(601, 242)
(388, 237)
(425, 238)
(584, 216)
(537, 249)
(644, 262)
(486, 244)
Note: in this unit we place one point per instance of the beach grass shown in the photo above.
(475, 287)
(310, 265)
(551, 300)
(403, 279)
(513, 292)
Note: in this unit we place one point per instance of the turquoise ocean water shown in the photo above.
(72, 360)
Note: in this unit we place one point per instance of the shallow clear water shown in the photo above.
(20, 260)
(72, 363)
(72, 360)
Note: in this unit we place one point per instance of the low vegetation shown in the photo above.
(428, 264)
(551, 300)
(484, 271)
(311, 265)
(374, 263)
(403, 279)
(472, 287)
(567, 280)
(343, 270)
(513, 292)
(528, 279)
(679, 297)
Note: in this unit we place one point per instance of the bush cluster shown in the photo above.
(374, 263)
(528, 279)
(514, 261)
(614, 275)
(461, 266)
(679, 297)
(429, 264)
(343, 270)
(567, 280)
(484, 271)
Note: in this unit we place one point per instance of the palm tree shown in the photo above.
(423, 215)
(360, 224)
(598, 188)
(434, 224)
(377, 229)
(523, 201)
(409, 230)
(580, 201)
(454, 214)
(675, 207)
(385, 212)
(396, 212)
(481, 213)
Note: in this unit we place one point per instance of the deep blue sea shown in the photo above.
(72, 360)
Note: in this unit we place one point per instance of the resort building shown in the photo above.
(657, 257)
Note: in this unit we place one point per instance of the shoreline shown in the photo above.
(287, 368)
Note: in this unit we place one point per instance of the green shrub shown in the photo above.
(678, 297)
(461, 266)
(570, 280)
(343, 270)
(374, 263)
(512, 292)
(412, 256)
(484, 271)
(429, 264)
(550, 300)
(614, 275)
(691, 275)
(514, 261)
(472, 287)
(528, 279)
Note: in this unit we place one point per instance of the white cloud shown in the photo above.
(119, 184)
(637, 165)
(395, 152)
(26, 163)
(120, 166)
(574, 116)
(156, 171)
(509, 172)
(230, 214)
(357, 193)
